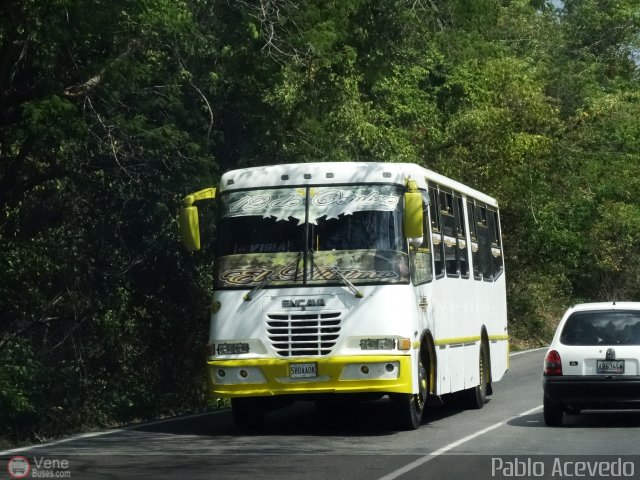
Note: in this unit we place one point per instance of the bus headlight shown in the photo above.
(377, 344)
(233, 348)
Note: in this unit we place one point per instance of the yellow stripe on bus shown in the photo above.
(475, 338)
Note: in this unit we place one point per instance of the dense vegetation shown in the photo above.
(111, 111)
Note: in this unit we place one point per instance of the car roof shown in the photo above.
(590, 307)
(605, 306)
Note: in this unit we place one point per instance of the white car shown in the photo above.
(593, 361)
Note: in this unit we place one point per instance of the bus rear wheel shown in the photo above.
(408, 407)
(474, 398)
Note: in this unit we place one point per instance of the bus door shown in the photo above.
(422, 271)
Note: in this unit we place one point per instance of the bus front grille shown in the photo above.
(303, 334)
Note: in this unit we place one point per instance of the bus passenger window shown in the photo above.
(433, 209)
(447, 222)
(436, 233)
(421, 267)
(475, 252)
(458, 210)
(484, 243)
(496, 248)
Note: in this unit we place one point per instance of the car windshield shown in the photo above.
(311, 235)
(607, 327)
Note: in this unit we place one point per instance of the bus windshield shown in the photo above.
(311, 236)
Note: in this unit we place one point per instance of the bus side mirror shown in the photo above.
(413, 215)
(190, 228)
(188, 218)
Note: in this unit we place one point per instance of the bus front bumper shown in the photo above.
(353, 374)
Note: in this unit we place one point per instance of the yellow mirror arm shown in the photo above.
(204, 194)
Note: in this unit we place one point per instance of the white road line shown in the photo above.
(527, 351)
(82, 436)
(427, 458)
(166, 420)
(57, 442)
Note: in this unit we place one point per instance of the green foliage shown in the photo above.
(101, 319)
(112, 112)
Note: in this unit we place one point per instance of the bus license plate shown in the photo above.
(610, 366)
(303, 370)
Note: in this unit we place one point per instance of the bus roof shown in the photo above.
(332, 173)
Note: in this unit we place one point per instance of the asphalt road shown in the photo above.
(505, 439)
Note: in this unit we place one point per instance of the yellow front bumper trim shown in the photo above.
(334, 375)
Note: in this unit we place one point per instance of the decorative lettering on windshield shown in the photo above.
(244, 276)
(264, 204)
(358, 267)
(279, 203)
(328, 201)
(248, 277)
(334, 202)
(266, 236)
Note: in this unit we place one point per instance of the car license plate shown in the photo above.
(610, 366)
(303, 370)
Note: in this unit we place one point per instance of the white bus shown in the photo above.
(348, 280)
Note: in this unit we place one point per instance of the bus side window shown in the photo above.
(448, 223)
(421, 267)
(484, 243)
(436, 232)
(475, 248)
(461, 236)
(496, 244)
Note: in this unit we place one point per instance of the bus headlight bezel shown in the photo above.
(236, 348)
(377, 344)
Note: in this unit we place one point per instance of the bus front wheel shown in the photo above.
(409, 407)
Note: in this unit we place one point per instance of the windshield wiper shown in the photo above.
(357, 293)
(267, 280)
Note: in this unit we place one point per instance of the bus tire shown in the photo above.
(474, 398)
(408, 407)
(248, 413)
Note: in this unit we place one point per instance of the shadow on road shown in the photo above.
(302, 418)
(586, 419)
